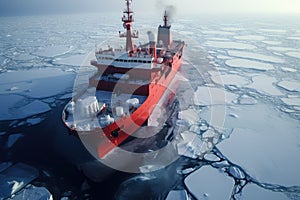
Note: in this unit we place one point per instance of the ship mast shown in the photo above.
(128, 19)
(165, 19)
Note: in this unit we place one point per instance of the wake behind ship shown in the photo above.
(129, 84)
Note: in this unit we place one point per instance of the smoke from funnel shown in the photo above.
(162, 5)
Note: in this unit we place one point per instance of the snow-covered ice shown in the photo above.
(228, 79)
(265, 84)
(33, 192)
(206, 96)
(290, 85)
(177, 195)
(19, 108)
(252, 191)
(209, 183)
(15, 178)
(268, 151)
(52, 51)
(250, 37)
(295, 54)
(256, 56)
(229, 45)
(291, 101)
(249, 64)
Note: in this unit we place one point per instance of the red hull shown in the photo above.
(126, 126)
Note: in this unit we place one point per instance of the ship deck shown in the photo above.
(107, 99)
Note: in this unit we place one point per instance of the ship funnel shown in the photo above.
(164, 36)
(152, 44)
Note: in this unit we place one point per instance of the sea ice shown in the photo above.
(291, 86)
(268, 151)
(33, 192)
(281, 49)
(209, 183)
(229, 45)
(293, 38)
(15, 178)
(190, 116)
(206, 96)
(177, 195)
(252, 191)
(295, 54)
(277, 31)
(288, 69)
(217, 32)
(250, 37)
(12, 139)
(52, 51)
(228, 79)
(4, 166)
(272, 42)
(190, 145)
(246, 100)
(35, 83)
(249, 64)
(264, 84)
(236, 172)
(256, 56)
(34, 121)
(291, 101)
(74, 60)
(16, 107)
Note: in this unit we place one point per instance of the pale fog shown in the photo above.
(237, 128)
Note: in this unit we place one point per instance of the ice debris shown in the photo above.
(219, 185)
(177, 195)
(14, 178)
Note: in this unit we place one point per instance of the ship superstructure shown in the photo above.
(129, 83)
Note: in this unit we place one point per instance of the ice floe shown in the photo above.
(250, 37)
(295, 54)
(210, 32)
(277, 31)
(272, 42)
(281, 49)
(12, 139)
(206, 96)
(249, 64)
(74, 60)
(292, 86)
(229, 45)
(209, 183)
(228, 79)
(177, 195)
(15, 178)
(256, 56)
(52, 51)
(265, 84)
(32, 192)
(291, 101)
(265, 144)
(252, 191)
(288, 69)
(35, 83)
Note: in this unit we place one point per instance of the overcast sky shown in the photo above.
(20, 7)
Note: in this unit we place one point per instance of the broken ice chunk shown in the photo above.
(33, 192)
(190, 145)
(209, 182)
(12, 139)
(177, 195)
(252, 191)
(236, 172)
(15, 178)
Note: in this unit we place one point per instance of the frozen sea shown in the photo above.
(238, 127)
